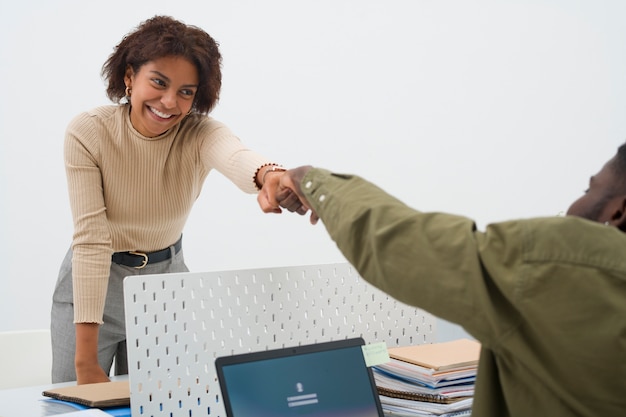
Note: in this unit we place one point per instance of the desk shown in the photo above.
(28, 401)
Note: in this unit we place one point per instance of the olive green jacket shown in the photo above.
(546, 297)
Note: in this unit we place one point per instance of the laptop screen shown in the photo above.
(322, 380)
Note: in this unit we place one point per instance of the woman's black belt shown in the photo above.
(141, 259)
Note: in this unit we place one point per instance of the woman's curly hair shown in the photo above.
(163, 36)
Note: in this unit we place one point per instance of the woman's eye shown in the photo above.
(188, 93)
(158, 82)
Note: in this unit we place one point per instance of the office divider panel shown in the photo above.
(177, 324)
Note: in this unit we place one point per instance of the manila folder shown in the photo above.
(459, 353)
(102, 394)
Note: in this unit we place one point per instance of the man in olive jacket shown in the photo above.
(546, 297)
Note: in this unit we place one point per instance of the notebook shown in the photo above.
(327, 379)
(455, 354)
(103, 394)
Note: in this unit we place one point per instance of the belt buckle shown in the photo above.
(145, 259)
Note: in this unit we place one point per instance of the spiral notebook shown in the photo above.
(323, 379)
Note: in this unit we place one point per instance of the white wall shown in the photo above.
(492, 109)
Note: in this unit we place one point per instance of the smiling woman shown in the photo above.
(161, 93)
(164, 78)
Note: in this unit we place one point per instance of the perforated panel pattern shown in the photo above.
(177, 324)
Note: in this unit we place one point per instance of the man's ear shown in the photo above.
(618, 213)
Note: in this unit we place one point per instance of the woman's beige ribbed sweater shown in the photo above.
(129, 192)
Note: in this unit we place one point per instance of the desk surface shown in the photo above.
(29, 402)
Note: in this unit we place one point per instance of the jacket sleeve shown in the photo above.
(429, 260)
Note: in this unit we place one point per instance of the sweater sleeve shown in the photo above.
(225, 152)
(91, 245)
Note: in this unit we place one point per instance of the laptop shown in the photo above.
(328, 379)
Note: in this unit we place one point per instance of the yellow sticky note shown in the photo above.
(375, 353)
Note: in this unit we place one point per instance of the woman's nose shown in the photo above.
(169, 99)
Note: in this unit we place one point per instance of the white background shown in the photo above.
(491, 109)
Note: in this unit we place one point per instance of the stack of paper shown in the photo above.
(429, 380)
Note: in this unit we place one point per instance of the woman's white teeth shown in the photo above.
(158, 113)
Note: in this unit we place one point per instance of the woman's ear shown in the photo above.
(128, 76)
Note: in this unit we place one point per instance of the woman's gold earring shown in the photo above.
(128, 91)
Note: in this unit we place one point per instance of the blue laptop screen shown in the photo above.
(331, 383)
